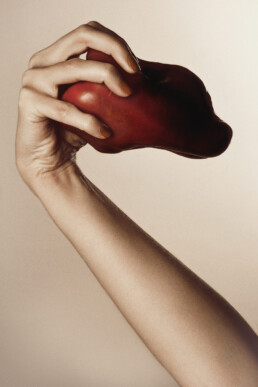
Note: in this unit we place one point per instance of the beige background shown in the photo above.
(57, 325)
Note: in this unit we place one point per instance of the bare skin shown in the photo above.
(191, 330)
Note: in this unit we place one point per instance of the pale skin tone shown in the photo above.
(191, 330)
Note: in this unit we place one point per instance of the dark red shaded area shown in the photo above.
(169, 109)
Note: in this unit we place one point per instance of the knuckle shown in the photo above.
(24, 97)
(93, 23)
(53, 90)
(26, 77)
(63, 111)
(110, 70)
(83, 30)
(73, 64)
(32, 61)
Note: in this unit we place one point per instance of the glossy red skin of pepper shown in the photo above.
(169, 108)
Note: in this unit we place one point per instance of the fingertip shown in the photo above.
(104, 132)
(126, 89)
(133, 65)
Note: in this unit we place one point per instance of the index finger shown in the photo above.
(79, 41)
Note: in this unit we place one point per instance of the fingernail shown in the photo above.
(105, 132)
(133, 63)
(126, 88)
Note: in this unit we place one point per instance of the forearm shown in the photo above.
(191, 330)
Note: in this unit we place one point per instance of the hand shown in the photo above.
(169, 109)
(43, 148)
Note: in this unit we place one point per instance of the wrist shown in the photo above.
(58, 179)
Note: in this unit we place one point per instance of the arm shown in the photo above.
(192, 331)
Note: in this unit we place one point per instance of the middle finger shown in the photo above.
(48, 78)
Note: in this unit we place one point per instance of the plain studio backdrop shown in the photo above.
(58, 327)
